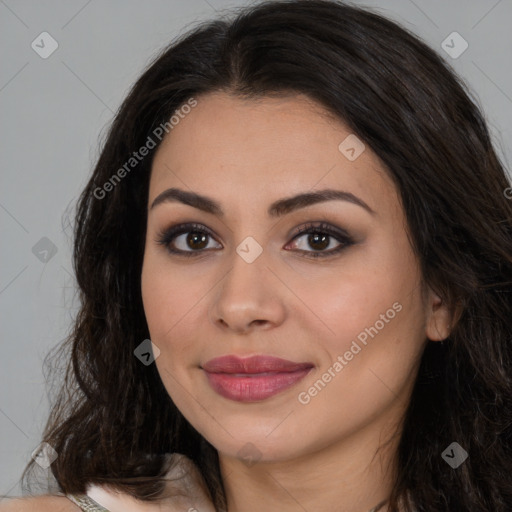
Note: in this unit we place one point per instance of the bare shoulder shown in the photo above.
(44, 503)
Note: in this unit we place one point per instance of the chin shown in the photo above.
(262, 443)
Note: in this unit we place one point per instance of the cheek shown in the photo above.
(174, 299)
(168, 293)
(344, 304)
(376, 339)
(372, 315)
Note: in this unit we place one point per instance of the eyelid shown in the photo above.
(322, 226)
(341, 236)
(168, 235)
(165, 236)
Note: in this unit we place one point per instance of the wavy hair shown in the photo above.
(113, 421)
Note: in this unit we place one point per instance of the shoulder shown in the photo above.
(44, 503)
(186, 489)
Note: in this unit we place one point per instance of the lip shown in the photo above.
(253, 378)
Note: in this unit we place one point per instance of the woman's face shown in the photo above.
(276, 266)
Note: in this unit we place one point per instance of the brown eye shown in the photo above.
(187, 240)
(318, 241)
(321, 240)
(315, 241)
(197, 240)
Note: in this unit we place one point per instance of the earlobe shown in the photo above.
(439, 321)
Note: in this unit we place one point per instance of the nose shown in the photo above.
(248, 298)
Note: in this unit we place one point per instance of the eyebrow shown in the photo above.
(276, 209)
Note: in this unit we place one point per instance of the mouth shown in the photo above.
(254, 378)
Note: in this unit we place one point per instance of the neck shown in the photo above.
(355, 475)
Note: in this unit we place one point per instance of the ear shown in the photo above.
(439, 318)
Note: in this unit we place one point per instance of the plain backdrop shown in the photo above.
(53, 112)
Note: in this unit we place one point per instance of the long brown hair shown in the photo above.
(114, 421)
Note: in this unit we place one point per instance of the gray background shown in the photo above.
(53, 112)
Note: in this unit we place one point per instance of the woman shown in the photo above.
(295, 264)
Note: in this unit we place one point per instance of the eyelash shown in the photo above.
(168, 235)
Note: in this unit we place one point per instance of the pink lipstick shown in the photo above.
(254, 378)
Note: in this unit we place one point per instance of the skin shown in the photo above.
(245, 154)
(329, 454)
(117, 502)
(39, 504)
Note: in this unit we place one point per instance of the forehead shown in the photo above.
(260, 149)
